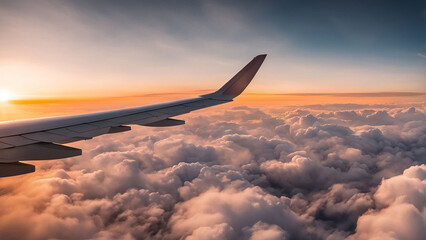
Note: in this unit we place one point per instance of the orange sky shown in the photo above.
(34, 108)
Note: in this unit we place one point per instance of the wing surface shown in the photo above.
(42, 139)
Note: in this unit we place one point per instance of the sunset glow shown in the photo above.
(6, 96)
(212, 119)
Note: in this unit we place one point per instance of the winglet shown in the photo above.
(239, 82)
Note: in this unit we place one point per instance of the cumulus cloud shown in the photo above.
(243, 173)
(401, 208)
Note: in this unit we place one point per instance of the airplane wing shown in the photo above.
(43, 138)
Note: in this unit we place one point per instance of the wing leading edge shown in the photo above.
(41, 139)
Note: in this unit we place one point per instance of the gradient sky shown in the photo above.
(104, 48)
(318, 146)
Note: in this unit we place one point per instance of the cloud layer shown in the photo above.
(242, 173)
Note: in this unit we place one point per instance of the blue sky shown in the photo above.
(113, 47)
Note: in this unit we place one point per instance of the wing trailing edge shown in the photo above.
(15, 168)
(41, 139)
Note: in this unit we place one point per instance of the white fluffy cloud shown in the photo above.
(401, 208)
(242, 173)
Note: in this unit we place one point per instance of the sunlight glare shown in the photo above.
(5, 96)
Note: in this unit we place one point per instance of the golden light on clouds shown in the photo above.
(22, 107)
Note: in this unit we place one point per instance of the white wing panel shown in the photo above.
(45, 137)
(147, 120)
(82, 128)
(64, 132)
(105, 123)
(139, 116)
(34, 138)
(17, 141)
(4, 145)
(94, 133)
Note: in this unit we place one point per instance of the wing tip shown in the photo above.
(240, 81)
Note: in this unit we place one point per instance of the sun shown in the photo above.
(5, 96)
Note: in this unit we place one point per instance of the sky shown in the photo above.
(76, 49)
(327, 142)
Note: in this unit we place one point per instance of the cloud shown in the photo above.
(243, 173)
(262, 230)
(403, 212)
(237, 209)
